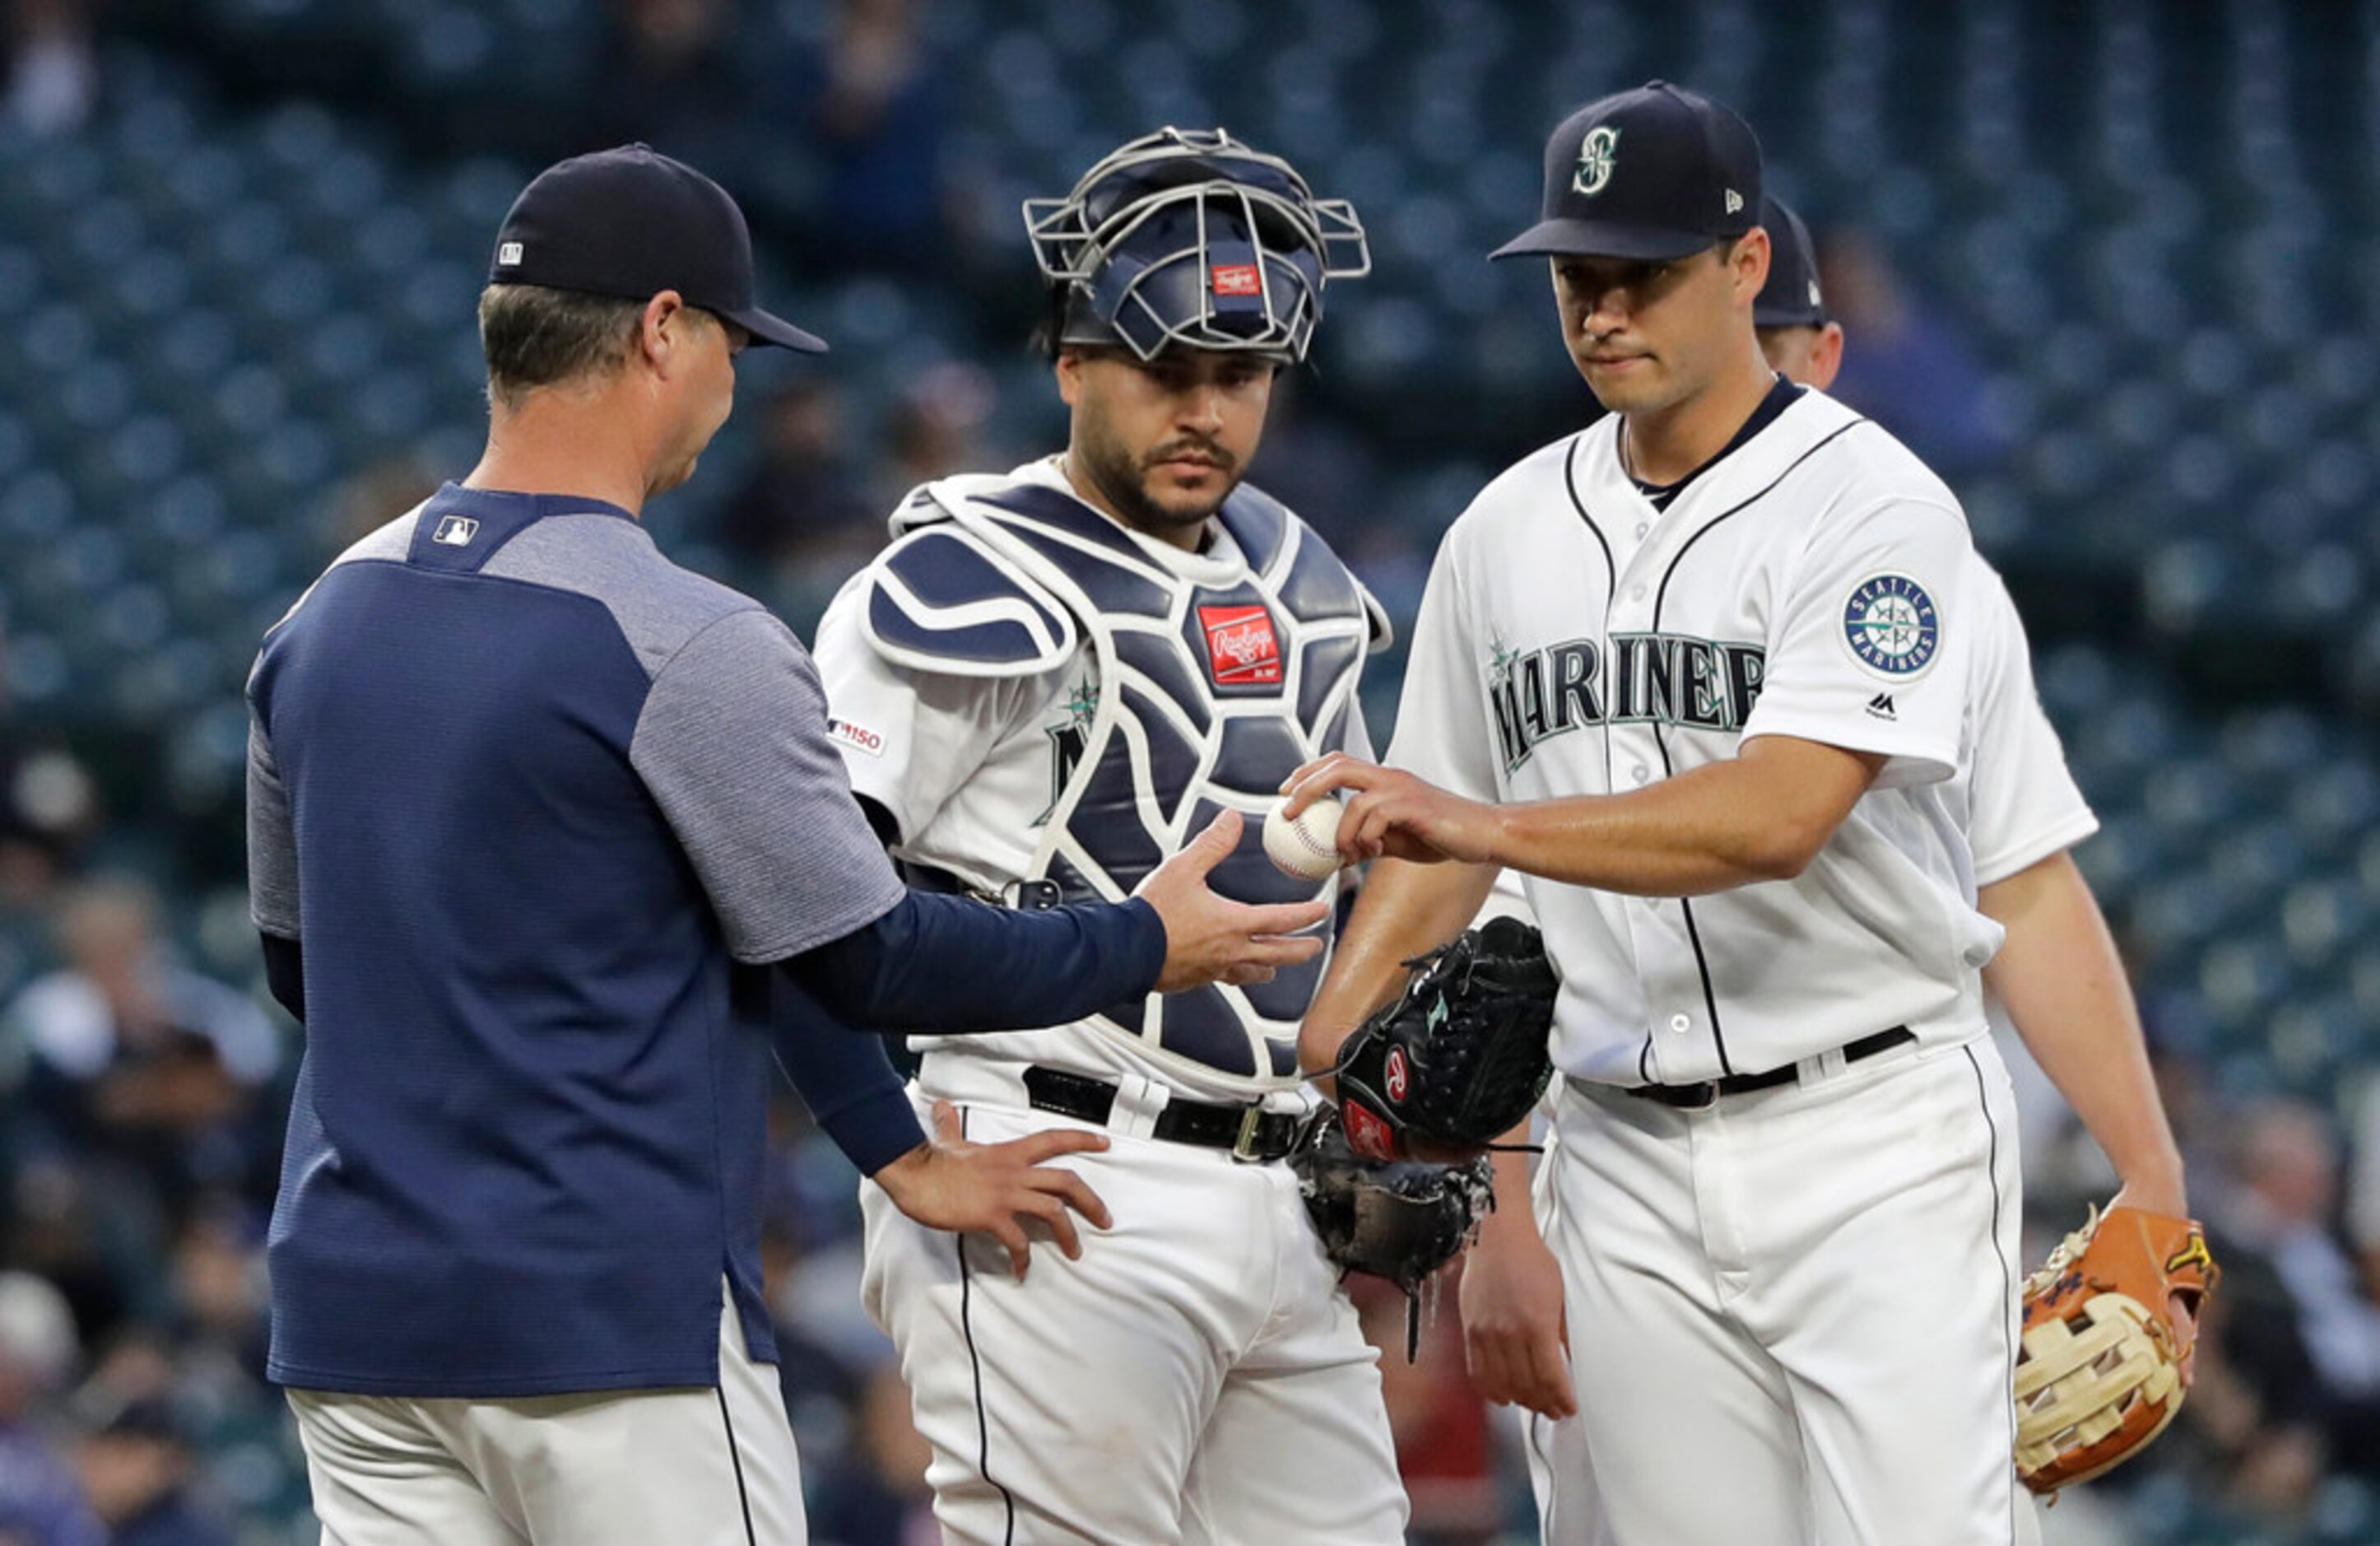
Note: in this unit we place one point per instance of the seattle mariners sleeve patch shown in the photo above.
(1892, 626)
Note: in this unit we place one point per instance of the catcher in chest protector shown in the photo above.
(1048, 680)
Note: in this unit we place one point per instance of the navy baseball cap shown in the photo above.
(1792, 296)
(632, 222)
(1653, 174)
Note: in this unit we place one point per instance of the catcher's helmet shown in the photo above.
(1190, 236)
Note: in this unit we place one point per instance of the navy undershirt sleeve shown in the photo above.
(285, 974)
(943, 963)
(846, 1080)
(950, 964)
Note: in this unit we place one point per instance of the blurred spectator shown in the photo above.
(53, 72)
(2364, 1190)
(137, 1059)
(1909, 367)
(935, 430)
(378, 494)
(670, 77)
(871, 109)
(878, 1496)
(48, 808)
(804, 502)
(2278, 1220)
(136, 1466)
(41, 1501)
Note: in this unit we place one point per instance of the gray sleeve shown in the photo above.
(733, 744)
(271, 841)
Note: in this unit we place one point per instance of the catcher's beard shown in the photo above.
(1101, 459)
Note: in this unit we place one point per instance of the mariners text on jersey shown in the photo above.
(1640, 678)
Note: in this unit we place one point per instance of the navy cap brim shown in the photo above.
(768, 328)
(1596, 238)
(1789, 316)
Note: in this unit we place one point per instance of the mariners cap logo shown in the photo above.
(1892, 626)
(1597, 154)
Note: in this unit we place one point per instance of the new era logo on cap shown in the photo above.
(508, 254)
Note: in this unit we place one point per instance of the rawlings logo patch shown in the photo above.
(1241, 650)
(1238, 279)
(1367, 1134)
(1394, 1076)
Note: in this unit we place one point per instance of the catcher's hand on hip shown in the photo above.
(1000, 1189)
(1394, 814)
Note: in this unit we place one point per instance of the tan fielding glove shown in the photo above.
(2100, 1371)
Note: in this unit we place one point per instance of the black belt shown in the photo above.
(1703, 1092)
(1249, 1132)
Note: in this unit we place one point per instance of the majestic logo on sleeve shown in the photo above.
(1892, 626)
(1597, 154)
(1630, 678)
(1241, 648)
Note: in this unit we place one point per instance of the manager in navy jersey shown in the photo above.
(550, 853)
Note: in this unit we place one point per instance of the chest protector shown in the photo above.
(1211, 693)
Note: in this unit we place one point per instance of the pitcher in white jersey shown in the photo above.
(2057, 972)
(1701, 673)
(1048, 680)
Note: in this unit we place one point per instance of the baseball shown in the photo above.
(1308, 847)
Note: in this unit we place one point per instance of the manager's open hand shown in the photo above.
(1213, 939)
(1394, 814)
(997, 1188)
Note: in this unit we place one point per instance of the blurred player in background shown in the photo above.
(550, 853)
(2058, 969)
(1049, 679)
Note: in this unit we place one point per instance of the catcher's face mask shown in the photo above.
(1191, 238)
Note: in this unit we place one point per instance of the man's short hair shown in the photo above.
(536, 337)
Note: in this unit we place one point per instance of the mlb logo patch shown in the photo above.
(508, 254)
(1238, 279)
(456, 531)
(1241, 648)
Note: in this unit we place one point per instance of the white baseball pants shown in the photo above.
(1791, 1315)
(1197, 1379)
(694, 1467)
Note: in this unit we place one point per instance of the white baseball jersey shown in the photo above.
(1035, 692)
(1574, 639)
(2022, 804)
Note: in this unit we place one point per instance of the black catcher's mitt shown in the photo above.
(1461, 1057)
(1401, 1219)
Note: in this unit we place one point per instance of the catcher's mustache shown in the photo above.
(1191, 450)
